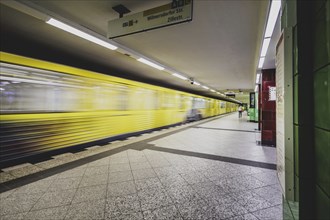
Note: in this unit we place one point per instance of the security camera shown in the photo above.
(191, 81)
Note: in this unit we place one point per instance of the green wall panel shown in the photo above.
(321, 98)
(322, 152)
(327, 9)
(320, 51)
(322, 205)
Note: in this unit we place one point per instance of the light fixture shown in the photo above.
(197, 83)
(261, 62)
(205, 87)
(142, 60)
(179, 76)
(265, 46)
(212, 90)
(272, 17)
(79, 33)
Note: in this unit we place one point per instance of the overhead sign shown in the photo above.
(173, 13)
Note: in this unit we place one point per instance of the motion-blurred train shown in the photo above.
(47, 106)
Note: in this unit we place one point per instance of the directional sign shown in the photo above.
(176, 12)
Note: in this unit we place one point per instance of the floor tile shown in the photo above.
(159, 163)
(143, 173)
(40, 186)
(251, 201)
(7, 193)
(140, 165)
(270, 193)
(273, 213)
(148, 183)
(126, 216)
(100, 162)
(119, 167)
(193, 209)
(209, 191)
(76, 172)
(18, 203)
(90, 193)
(19, 216)
(165, 171)
(120, 176)
(86, 210)
(163, 213)
(268, 178)
(64, 184)
(118, 160)
(53, 199)
(121, 188)
(194, 177)
(50, 213)
(244, 217)
(229, 206)
(123, 204)
(181, 194)
(96, 170)
(172, 181)
(153, 198)
(94, 180)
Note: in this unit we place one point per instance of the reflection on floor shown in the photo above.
(202, 174)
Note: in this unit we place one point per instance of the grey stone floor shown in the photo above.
(152, 184)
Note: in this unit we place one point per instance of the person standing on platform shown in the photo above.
(240, 109)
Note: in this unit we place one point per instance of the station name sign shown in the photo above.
(178, 11)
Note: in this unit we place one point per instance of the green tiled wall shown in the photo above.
(320, 52)
(321, 67)
(322, 152)
(322, 205)
(319, 102)
(321, 98)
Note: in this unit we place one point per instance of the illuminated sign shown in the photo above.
(178, 11)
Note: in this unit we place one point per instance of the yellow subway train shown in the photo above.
(47, 106)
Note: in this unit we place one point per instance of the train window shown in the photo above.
(168, 100)
(199, 103)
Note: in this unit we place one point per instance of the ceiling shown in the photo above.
(220, 47)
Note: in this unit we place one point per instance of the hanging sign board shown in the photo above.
(178, 11)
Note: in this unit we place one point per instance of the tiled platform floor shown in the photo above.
(147, 183)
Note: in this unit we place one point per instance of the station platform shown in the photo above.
(211, 169)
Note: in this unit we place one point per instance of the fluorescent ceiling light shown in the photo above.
(179, 76)
(257, 78)
(265, 46)
(272, 17)
(142, 60)
(205, 87)
(197, 83)
(79, 33)
(261, 62)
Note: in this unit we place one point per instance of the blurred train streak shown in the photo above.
(47, 106)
